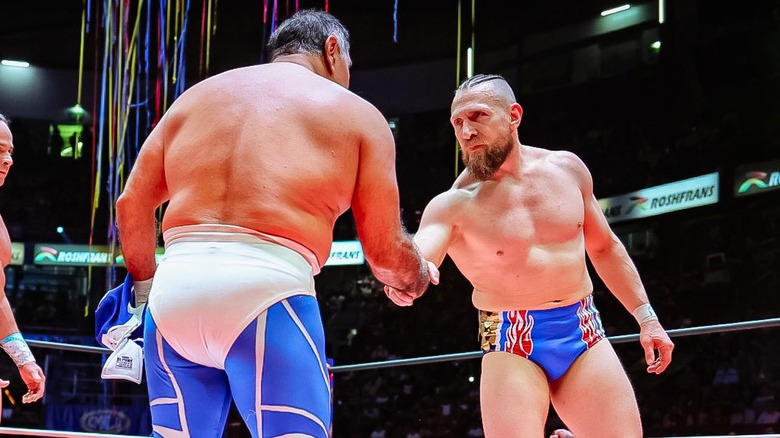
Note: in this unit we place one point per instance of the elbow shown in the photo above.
(604, 246)
(123, 208)
(129, 212)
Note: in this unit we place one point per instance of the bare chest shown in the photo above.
(524, 215)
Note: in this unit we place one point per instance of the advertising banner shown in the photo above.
(674, 196)
(17, 254)
(757, 178)
(347, 252)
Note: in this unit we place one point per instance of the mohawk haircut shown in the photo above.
(497, 83)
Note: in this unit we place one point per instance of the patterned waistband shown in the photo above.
(490, 321)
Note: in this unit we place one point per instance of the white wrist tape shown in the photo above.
(141, 290)
(17, 348)
(644, 313)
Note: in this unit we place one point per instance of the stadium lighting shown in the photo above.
(615, 10)
(12, 63)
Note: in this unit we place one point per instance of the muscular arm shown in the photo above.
(435, 231)
(611, 259)
(609, 256)
(614, 266)
(432, 240)
(31, 373)
(145, 191)
(7, 321)
(389, 250)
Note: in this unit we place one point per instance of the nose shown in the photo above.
(467, 131)
(7, 160)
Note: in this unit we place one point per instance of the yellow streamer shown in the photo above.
(165, 61)
(175, 45)
(81, 49)
(473, 29)
(457, 79)
(208, 37)
(99, 173)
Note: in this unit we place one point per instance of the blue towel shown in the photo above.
(116, 308)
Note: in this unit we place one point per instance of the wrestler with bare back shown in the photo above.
(256, 165)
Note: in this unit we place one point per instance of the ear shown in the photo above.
(331, 51)
(515, 115)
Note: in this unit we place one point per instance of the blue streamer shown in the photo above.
(395, 21)
(181, 76)
(130, 154)
(162, 63)
(147, 56)
(89, 14)
(273, 17)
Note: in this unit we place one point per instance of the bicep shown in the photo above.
(375, 201)
(432, 241)
(597, 232)
(435, 233)
(146, 186)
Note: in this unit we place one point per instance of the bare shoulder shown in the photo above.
(448, 204)
(361, 107)
(566, 161)
(563, 162)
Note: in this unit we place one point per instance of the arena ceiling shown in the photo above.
(47, 33)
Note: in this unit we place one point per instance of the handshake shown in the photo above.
(406, 297)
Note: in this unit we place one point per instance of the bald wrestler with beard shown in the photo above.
(519, 223)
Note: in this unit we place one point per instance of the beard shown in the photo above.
(482, 165)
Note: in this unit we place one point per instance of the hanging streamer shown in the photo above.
(274, 16)
(473, 36)
(457, 79)
(181, 67)
(210, 31)
(94, 137)
(265, 24)
(130, 96)
(205, 38)
(395, 21)
(202, 39)
(175, 64)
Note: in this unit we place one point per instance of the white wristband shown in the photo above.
(644, 313)
(17, 348)
(141, 290)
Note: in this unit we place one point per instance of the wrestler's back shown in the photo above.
(520, 241)
(275, 150)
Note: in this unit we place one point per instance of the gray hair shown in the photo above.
(4, 119)
(306, 32)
